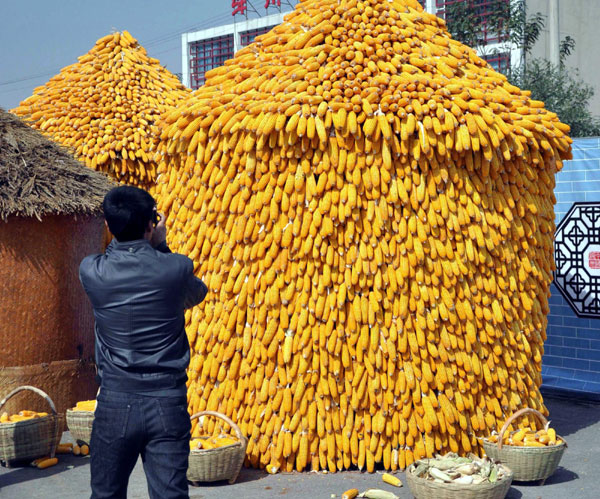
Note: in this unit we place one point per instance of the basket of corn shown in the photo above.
(454, 477)
(28, 435)
(532, 455)
(218, 457)
(80, 420)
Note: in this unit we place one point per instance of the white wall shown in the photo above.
(580, 19)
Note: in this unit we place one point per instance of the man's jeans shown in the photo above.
(127, 425)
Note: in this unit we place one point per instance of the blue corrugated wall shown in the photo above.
(572, 352)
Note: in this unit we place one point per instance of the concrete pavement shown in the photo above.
(578, 421)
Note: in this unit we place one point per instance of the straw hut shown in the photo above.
(50, 218)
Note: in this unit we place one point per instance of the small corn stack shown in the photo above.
(371, 207)
(104, 108)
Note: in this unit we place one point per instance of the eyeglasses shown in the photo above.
(155, 217)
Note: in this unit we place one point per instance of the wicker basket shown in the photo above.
(80, 425)
(427, 489)
(32, 438)
(527, 463)
(222, 463)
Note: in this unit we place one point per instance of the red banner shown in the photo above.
(276, 3)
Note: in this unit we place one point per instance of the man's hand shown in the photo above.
(159, 234)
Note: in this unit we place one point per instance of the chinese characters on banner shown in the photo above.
(241, 6)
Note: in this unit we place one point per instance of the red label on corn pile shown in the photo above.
(594, 260)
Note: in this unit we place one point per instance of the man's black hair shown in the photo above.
(127, 211)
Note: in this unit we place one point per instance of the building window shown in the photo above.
(247, 37)
(483, 10)
(206, 55)
(500, 61)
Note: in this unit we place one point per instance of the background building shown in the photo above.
(210, 48)
(579, 20)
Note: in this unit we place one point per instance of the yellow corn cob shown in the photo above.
(46, 463)
(85, 405)
(66, 448)
(350, 494)
(391, 479)
(552, 436)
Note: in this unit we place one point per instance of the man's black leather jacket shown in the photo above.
(139, 295)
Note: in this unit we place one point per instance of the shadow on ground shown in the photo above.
(561, 475)
(246, 475)
(569, 414)
(23, 472)
(513, 494)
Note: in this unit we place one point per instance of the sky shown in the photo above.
(39, 37)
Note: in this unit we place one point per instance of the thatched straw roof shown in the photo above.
(38, 177)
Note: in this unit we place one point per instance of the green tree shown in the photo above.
(563, 91)
(507, 19)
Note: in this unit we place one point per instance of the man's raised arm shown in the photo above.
(195, 291)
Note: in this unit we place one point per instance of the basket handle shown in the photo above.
(47, 398)
(235, 427)
(516, 415)
(41, 393)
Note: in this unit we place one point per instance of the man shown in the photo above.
(139, 291)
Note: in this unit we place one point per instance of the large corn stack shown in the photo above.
(104, 108)
(371, 206)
